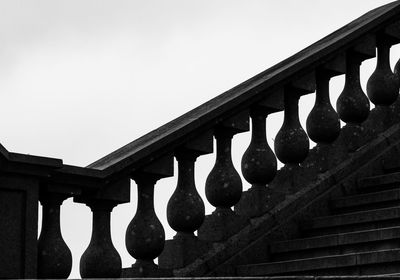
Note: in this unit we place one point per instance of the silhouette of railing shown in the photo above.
(106, 183)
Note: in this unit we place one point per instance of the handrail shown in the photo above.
(106, 183)
(256, 88)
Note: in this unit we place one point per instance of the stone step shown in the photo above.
(344, 243)
(354, 221)
(379, 183)
(366, 263)
(391, 165)
(367, 201)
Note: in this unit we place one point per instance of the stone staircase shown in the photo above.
(361, 236)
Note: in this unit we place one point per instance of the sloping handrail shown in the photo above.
(207, 115)
(106, 183)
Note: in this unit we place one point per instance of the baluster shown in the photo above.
(382, 86)
(101, 259)
(291, 142)
(352, 104)
(145, 236)
(259, 167)
(185, 211)
(259, 163)
(323, 125)
(223, 187)
(54, 256)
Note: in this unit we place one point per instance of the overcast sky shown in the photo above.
(80, 78)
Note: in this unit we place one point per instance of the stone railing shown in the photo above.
(106, 183)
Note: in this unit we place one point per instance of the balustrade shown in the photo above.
(150, 159)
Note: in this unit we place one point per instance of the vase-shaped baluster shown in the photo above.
(323, 125)
(145, 236)
(352, 105)
(291, 142)
(223, 184)
(101, 259)
(259, 167)
(382, 86)
(185, 210)
(185, 214)
(54, 256)
(259, 164)
(223, 190)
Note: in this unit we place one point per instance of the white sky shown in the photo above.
(81, 78)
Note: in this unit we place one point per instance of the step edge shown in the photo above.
(371, 181)
(358, 201)
(314, 222)
(353, 256)
(340, 238)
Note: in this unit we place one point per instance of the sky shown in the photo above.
(81, 78)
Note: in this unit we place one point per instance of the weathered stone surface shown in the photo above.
(101, 259)
(298, 205)
(291, 142)
(181, 251)
(54, 256)
(18, 223)
(323, 125)
(387, 198)
(322, 263)
(380, 180)
(220, 225)
(145, 269)
(336, 244)
(365, 220)
(257, 200)
(382, 86)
